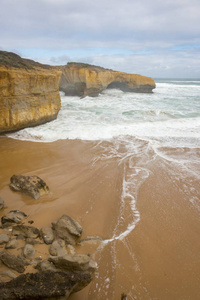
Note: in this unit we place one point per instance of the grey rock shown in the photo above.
(16, 263)
(67, 229)
(12, 218)
(29, 251)
(1, 203)
(9, 274)
(47, 235)
(4, 238)
(58, 248)
(12, 244)
(44, 285)
(32, 241)
(26, 231)
(45, 266)
(74, 263)
(70, 249)
(32, 186)
(20, 237)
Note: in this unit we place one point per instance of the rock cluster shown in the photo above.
(64, 270)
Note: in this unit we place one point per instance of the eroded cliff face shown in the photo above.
(29, 91)
(29, 94)
(86, 80)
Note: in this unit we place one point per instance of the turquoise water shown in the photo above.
(171, 114)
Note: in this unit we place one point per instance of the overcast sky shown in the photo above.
(149, 37)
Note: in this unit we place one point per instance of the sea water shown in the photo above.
(169, 116)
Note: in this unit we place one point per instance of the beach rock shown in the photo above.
(12, 244)
(58, 248)
(20, 237)
(29, 251)
(44, 285)
(67, 229)
(16, 263)
(29, 93)
(32, 186)
(26, 231)
(1, 203)
(4, 238)
(32, 241)
(74, 263)
(13, 217)
(47, 235)
(8, 273)
(70, 249)
(83, 80)
(46, 266)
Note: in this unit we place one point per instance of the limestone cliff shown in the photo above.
(87, 80)
(29, 92)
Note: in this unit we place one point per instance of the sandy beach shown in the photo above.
(151, 250)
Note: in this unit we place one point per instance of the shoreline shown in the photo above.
(159, 258)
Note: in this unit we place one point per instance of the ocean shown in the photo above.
(169, 116)
(143, 155)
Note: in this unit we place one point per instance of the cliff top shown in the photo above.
(10, 59)
(84, 65)
(13, 60)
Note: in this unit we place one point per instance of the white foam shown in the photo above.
(168, 112)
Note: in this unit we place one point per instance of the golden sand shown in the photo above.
(158, 259)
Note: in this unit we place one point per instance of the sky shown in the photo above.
(149, 37)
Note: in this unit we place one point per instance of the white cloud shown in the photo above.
(56, 27)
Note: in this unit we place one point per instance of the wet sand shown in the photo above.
(158, 257)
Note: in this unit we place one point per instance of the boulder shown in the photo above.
(46, 266)
(8, 273)
(47, 235)
(58, 248)
(13, 217)
(74, 263)
(1, 203)
(44, 285)
(4, 238)
(67, 229)
(29, 251)
(11, 244)
(32, 241)
(32, 186)
(16, 263)
(26, 231)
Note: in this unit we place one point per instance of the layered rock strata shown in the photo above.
(29, 93)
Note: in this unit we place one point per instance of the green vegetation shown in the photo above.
(84, 65)
(10, 59)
